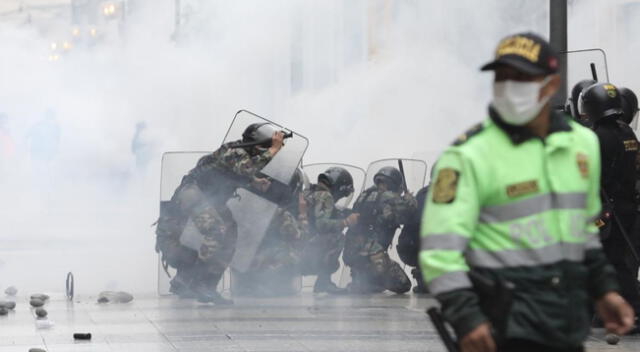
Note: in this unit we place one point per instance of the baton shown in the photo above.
(438, 322)
(623, 231)
(404, 178)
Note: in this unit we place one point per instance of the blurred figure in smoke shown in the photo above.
(141, 147)
(276, 265)
(382, 210)
(44, 138)
(200, 202)
(322, 251)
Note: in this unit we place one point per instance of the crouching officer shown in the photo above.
(521, 221)
(322, 251)
(602, 104)
(382, 208)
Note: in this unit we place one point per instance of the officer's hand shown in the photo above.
(616, 313)
(479, 340)
(261, 184)
(351, 219)
(302, 207)
(277, 141)
(408, 196)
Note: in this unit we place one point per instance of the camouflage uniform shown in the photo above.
(202, 197)
(325, 243)
(381, 213)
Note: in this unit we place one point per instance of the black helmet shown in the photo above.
(629, 104)
(339, 181)
(259, 132)
(599, 101)
(575, 94)
(389, 175)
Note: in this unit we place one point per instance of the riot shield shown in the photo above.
(251, 210)
(284, 164)
(313, 170)
(174, 166)
(583, 64)
(579, 65)
(415, 172)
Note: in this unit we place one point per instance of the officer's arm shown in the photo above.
(601, 274)
(448, 223)
(242, 164)
(323, 211)
(405, 208)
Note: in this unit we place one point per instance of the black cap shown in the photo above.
(526, 52)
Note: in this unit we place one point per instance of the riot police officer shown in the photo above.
(508, 245)
(575, 97)
(326, 225)
(383, 208)
(199, 206)
(602, 105)
(629, 105)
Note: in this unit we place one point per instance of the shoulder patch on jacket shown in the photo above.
(446, 186)
(477, 128)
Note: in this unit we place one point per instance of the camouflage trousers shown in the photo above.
(372, 269)
(214, 223)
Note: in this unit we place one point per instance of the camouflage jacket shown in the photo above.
(222, 171)
(381, 213)
(323, 217)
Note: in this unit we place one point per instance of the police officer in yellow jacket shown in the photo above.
(509, 243)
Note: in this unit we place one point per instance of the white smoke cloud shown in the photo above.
(362, 79)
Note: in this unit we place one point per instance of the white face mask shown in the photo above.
(517, 102)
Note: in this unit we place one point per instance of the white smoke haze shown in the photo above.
(363, 80)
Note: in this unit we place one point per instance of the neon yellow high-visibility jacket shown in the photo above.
(515, 208)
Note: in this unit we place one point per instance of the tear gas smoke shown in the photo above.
(362, 79)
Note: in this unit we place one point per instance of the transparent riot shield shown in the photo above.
(583, 64)
(579, 65)
(253, 210)
(174, 166)
(284, 164)
(313, 170)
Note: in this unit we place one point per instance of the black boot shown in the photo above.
(206, 289)
(324, 284)
(213, 296)
(420, 287)
(180, 283)
(362, 283)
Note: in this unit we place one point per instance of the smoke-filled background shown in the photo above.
(88, 103)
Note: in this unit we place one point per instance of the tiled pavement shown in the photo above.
(301, 323)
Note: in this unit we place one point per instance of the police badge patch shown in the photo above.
(630, 145)
(446, 186)
(583, 165)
